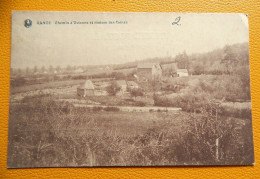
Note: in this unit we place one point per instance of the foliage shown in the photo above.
(95, 109)
(182, 61)
(162, 101)
(230, 59)
(113, 109)
(113, 88)
(136, 92)
(56, 134)
(169, 70)
(198, 92)
(220, 61)
(140, 103)
(20, 81)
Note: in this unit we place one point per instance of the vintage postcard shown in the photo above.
(129, 89)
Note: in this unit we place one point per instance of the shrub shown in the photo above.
(162, 101)
(140, 103)
(19, 81)
(113, 88)
(118, 75)
(130, 100)
(136, 92)
(156, 144)
(114, 109)
(97, 108)
(235, 112)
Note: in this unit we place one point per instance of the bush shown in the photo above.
(95, 108)
(118, 75)
(162, 101)
(140, 103)
(20, 81)
(136, 92)
(79, 77)
(156, 144)
(114, 109)
(130, 100)
(234, 112)
(113, 88)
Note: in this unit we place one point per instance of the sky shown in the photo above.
(132, 36)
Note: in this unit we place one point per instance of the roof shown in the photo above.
(121, 82)
(87, 85)
(145, 65)
(132, 83)
(182, 70)
(169, 65)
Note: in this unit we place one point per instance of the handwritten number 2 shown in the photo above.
(177, 20)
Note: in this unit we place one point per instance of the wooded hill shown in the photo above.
(215, 62)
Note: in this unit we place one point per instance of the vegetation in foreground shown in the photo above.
(47, 133)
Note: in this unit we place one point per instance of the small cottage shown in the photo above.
(182, 72)
(149, 71)
(86, 89)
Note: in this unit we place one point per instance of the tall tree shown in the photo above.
(51, 69)
(68, 68)
(19, 71)
(42, 69)
(35, 69)
(182, 60)
(230, 59)
(58, 68)
(27, 70)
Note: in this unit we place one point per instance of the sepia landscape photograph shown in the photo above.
(94, 89)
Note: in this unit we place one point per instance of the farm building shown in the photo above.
(86, 89)
(132, 85)
(123, 86)
(182, 72)
(169, 69)
(149, 71)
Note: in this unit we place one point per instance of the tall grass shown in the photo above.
(47, 133)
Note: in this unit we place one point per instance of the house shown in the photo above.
(169, 69)
(132, 85)
(86, 89)
(123, 86)
(147, 71)
(182, 72)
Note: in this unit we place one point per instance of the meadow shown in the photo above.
(43, 132)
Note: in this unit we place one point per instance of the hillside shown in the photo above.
(198, 63)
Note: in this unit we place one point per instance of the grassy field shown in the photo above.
(53, 84)
(46, 133)
(47, 85)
